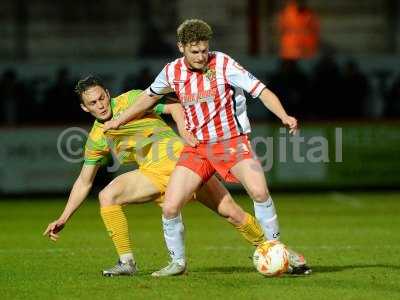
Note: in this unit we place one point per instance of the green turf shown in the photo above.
(351, 240)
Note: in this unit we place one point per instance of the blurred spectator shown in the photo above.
(291, 86)
(61, 100)
(299, 31)
(393, 99)
(326, 89)
(12, 95)
(355, 91)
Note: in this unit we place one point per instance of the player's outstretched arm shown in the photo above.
(272, 102)
(143, 103)
(79, 192)
(176, 111)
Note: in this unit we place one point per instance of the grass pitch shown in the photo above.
(352, 241)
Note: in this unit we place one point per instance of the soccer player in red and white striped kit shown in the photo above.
(210, 86)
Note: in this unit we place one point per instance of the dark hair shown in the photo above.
(86, 83)
(193, 30)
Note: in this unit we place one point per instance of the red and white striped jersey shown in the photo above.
(213, 100)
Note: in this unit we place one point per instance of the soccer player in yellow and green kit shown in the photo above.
(155, 147)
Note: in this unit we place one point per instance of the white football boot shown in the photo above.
(173, 269)
(297, 264)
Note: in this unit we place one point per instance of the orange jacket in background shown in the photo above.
(299, 32)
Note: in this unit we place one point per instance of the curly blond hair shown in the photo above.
(193, 30)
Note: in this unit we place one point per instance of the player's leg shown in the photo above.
(250, 173)
(182, 184)
(215, 196)
(131, 187)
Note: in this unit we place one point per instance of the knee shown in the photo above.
(106, 197)
(170, 211)
(258, 194)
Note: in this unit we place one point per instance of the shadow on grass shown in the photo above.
(224, 270)
(316, 269)
(332, 269)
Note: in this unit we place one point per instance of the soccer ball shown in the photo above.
(271, 258)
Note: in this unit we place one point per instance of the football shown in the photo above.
(271, 258)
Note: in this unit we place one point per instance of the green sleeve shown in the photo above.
(160, 107)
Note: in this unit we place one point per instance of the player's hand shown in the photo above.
(53, 228)
(112, 124)
(188, 137)
(291, 122)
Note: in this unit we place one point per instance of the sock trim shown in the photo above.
(175, 220)
(266, 203)
(110, 208)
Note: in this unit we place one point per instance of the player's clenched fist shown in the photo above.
(53, 228)
(290, 122)
(188, 137)
(112, 124)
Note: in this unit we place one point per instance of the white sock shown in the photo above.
(266, 216)
(174, 238)
(126, 257)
